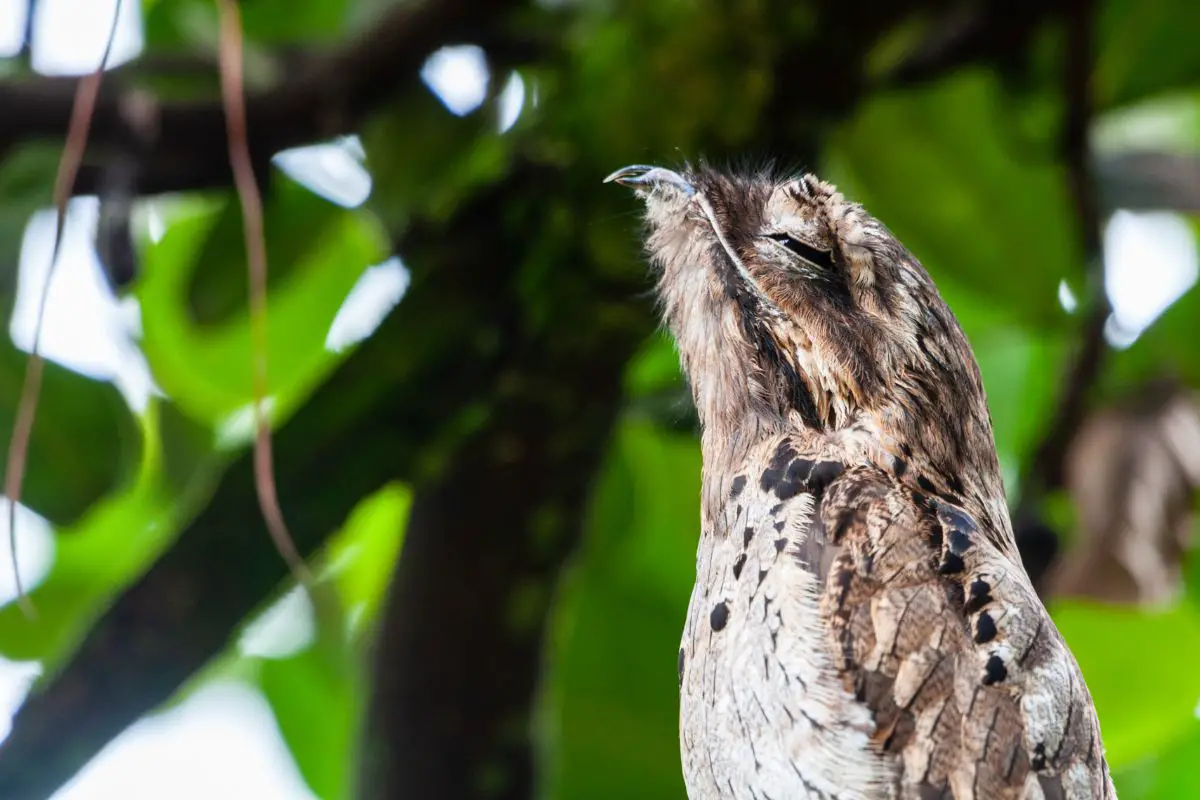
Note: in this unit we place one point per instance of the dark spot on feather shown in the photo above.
(954, 484)
(762, 576)
(994, 671)
(770, 478)
(979, 595)
(739, 483)
(780, 543)
(738, 563)
(845, 577)
(786, 490)
(935, 538)
(780, 525)
(906, 449)
(822, 475)
(747, 535)
(954, 594)
(899, 467)
(922, 500)
(798, 466)
(985, 628)
(926, 484)
(681, 660)
(783, 454)
(719, 616)
(952, 564)
(775, 509)
(1037, 759)
(959, 542)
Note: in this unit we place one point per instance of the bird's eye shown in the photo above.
(818, 258)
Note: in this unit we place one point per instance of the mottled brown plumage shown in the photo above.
(861, 625)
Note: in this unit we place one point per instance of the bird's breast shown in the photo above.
(763, 711)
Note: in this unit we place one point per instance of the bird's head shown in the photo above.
(796, 309)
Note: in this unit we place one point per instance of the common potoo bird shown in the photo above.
(861, 625)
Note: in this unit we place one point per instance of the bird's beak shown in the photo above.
(642, 176)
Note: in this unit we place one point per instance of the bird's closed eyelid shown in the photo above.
(817, 257)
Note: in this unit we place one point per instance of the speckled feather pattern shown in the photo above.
(861, 626)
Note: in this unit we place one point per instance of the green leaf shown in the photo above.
(206, 369)
(85, 440)
(1145, 47)
(1140, 668)
(1021, 368)
(458, 154)
(94, 559)
(611, 719)
(361, 556)
(1169, 773)
(315, 696)
(118, 538)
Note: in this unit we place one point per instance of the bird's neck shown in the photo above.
(956, 465)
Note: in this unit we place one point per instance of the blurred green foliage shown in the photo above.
(965, 170)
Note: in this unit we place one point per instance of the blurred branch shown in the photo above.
(994, 32)
(453, 695)
(1037, 542)
(501, 520)
(1150, 181)
(1132, 473)
(329, 98)
(382, 416)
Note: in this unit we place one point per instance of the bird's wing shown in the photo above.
(973, 690)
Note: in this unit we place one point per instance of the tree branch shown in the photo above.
(376, 419)
(454, 691)
(330, 98)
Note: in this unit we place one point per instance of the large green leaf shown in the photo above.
(207, 369)
(1145, 47)
(85, 441)
(612, 700)
(1139, 666)
(118, 538)
(316, 698)
(1171, 772)
(316, 694)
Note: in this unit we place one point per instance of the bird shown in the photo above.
(861, 626)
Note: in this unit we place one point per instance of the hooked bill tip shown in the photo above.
(631, 174)
(643, 175)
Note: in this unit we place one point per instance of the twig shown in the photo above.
(77, 134)
(256, 256)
